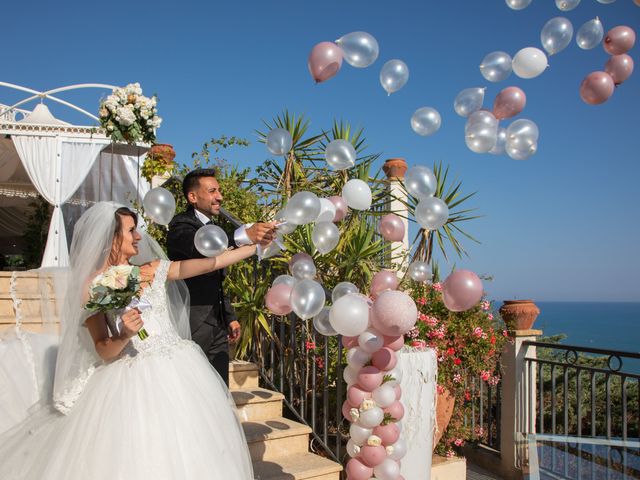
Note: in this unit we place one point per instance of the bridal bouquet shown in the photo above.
(128, 116)
(117, 288)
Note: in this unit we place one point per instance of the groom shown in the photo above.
(212, 318)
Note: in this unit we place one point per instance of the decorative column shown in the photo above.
(395, 168)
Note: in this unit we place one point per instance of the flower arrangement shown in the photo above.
(468, 345)
(128, 116)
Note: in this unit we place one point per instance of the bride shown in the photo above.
(125, 408)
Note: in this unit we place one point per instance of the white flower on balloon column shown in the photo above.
(367, 405)
(355, 414)
(389, 449)
(374, 441)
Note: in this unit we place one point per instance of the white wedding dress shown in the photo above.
(158, 412)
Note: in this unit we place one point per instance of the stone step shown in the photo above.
(25, 283)
(30, 304)
(306, 466)
(242, 375)
(276, 438)
(257, 404)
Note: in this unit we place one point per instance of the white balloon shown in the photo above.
(359, 434)
(279, 141)
(566, 5)
(341, 289)
(396, 376)
(419, 271)
(359, 49)
(387, 470)
(529, 62)
(340, 154)
(284, 227)
(399, 449)
(353, 449)
(303, 269)
(394, 75)
(159, 205)
(357, 358)
(211, 240)
(518, 4)
(325, 236)
(470, 100)
(302, 208)
(349, 315)
(496, 66)
(371, 418)
(350, 375)
(307, 298)
(384, 395)
(432, 213)
(590, 34)
(371, 340)
(286, 279)
(327, 211)
(426, 121)
(420, 182)
(322, 325)
(357, 194)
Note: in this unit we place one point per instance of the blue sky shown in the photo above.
(563, 225)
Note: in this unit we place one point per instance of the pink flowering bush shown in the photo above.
(468, 345)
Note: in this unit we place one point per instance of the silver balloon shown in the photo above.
(496, 66)
(523, 128)
(342, 289)
(284, 226)
(606, 2)
(340, 154)
(426, 121)
(590, 34)
(279, 141)
(359, 49)
(420, 271)
(273, 249)
(357, 194)
(529, 62)
(307, 299)
(302, 208)
(349, 315)
(481, 131)
(211, 240)
(399, 449)
(286, 279)
(387, 470)
(327, 211)
(420, 182)
(325, 236)
(468, 101)
(566, 5)
(498, 148)
(556, 35)
(518, 4)
(159, 205)
(522, 139)
(304, 269)
(321, 323)
(432, 213)
(394, 75)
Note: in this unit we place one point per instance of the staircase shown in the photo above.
(279, 447)
(28, 288)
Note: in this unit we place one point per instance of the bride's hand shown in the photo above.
(131, 322)
(147, 272)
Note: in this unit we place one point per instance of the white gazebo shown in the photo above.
(70, 166)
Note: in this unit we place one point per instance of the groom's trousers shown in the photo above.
(211, 336)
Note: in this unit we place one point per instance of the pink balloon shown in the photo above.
(356, 395)
(391, 227)
(372, 456)
(384, 359)
(461, 290)
(383, 280)
(394, 313)
(277, 299)
(509, 102)
(396, 410)
(596, 88)
(299, 256)
(341, 207)
(620, 67)
(370, 378)
(346, 410)
(389, 433)
(325, 60)
(357, 470)
(349, 342)
(619, 40)
(394, 343)
(398, 390)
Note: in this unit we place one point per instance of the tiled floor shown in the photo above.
(476, 473)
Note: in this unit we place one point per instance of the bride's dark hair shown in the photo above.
(117, 234)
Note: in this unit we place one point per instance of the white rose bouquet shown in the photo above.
(128, 116)
(115, 289)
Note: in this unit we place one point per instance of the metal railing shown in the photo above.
(483, 415)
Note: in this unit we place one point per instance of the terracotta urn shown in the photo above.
(519, 314)
(164, 152)
(395, 168)
(444, 410)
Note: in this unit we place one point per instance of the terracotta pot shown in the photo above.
(395, 168)
(163, 151)
(519, 314)
(444, 411)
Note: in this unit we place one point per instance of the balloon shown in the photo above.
(211, 240)
(394, 342)
(341, 207)
(596, 88)
(302, 208)
(349, 315)
(426, 121)
(273, 248)
(342, 289)
(496, 66)
(509, 103)
(389, 433)
(384, 395)
(359, 434)
(340, 154)
(384, 358)
(522, 139)
(394, 313)
(371, 418)
(395, 374)
(350, 375)
(322, 325)
(619, 40)
(324, 61)
(420, 182)
(370, 341)
(357, 194)
(356, 395)
(470, 100)
(373, 455)
(590, 34)
(517, 4)
(606, 2)
(303, 269)
(556, 35)
(399, 449)
(325, 236)
(159, 205)
(529, 62)
(357, 358)
(481, 131)
(419, 271)
(284, 227)
(388, 469)
(396, 410)
(279, 141)
(277, 299)
(357, 470)
(391, 227)
(307, 298)
(499, 147)
(461, 290)
(299, 256)
(394, 75)
(327, 211)
(352, 449)
(620, 67)
(349, 342)
(432, 213)
(286, 279)
(383, 280)
(566, 5)
(359, 49)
